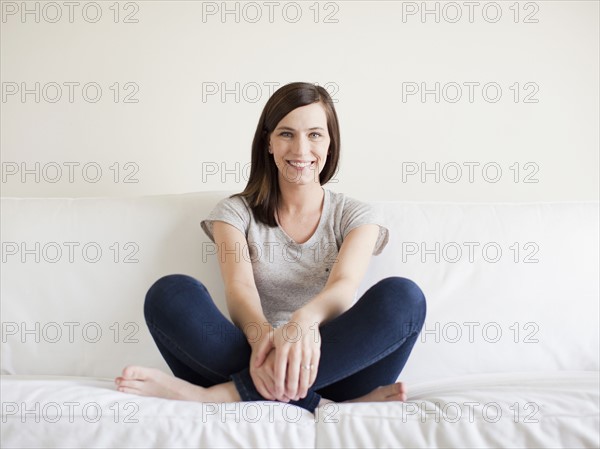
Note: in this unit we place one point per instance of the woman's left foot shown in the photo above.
(386, 393)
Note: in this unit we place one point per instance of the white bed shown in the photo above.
(558, 409)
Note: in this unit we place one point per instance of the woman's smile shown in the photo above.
(300, 165)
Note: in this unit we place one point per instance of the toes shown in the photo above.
(134, 372)
(129, 390)
(135, 384)
(395, 392)
(399, 389)
(391, 390)
(403, 392)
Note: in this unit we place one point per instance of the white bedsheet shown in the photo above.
(507, 410)
(87, 412)
(557, 409)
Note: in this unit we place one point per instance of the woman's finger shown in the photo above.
(264, 391)
(293, 373)
(280, 370)
(304, 381)
(262, 350)
(308, 370)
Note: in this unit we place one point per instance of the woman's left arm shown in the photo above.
(346, 275)
(303, 347)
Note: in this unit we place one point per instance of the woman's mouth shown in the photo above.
(300, 164)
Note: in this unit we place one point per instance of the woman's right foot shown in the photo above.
(153, 382)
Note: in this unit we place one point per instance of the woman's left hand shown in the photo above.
(297, 353)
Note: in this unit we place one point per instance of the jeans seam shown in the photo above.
(315, 402)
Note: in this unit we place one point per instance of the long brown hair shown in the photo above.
(262, 190)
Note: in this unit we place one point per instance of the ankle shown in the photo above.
(225, 392)
(324, 401)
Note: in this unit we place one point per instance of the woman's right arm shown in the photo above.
(243, 301)
(243, 304)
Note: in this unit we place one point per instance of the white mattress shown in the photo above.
(558, 409)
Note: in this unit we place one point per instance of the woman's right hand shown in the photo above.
(263, 375)
(262, 367)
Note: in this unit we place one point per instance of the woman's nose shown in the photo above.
(302, 146)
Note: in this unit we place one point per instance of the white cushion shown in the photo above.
(502, 316)
(164, 236)
(554, 301)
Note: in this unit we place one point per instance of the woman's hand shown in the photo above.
(263, 375)
(297, 352)
(262, 362)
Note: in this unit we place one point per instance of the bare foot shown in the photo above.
(153, 382)
(386, 393)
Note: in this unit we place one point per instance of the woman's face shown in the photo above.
(299, 145)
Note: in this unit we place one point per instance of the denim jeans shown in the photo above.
(363, 348)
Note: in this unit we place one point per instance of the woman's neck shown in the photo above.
(297, 200)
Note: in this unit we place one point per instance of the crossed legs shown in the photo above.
(362, 351)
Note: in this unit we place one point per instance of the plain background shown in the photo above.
(182, 86)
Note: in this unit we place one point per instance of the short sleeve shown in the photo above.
(230, 210)
(357, 213)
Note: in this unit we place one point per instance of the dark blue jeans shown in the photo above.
(363, 348)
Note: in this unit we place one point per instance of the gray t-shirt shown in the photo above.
(288, 274)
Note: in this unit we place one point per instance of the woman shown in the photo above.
(292, 255)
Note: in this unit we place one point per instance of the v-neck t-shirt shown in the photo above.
(289, 274)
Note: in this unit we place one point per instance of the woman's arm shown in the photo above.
(346, 275)
(243, 301)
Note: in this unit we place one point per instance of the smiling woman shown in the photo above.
(298, 334)
(298, 122)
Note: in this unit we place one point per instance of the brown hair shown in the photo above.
(262, 190)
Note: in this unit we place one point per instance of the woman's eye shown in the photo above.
(315, 135)
(285, 134)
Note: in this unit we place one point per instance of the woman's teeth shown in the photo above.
(300, 164)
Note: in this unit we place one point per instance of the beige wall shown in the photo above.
(182, 87)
